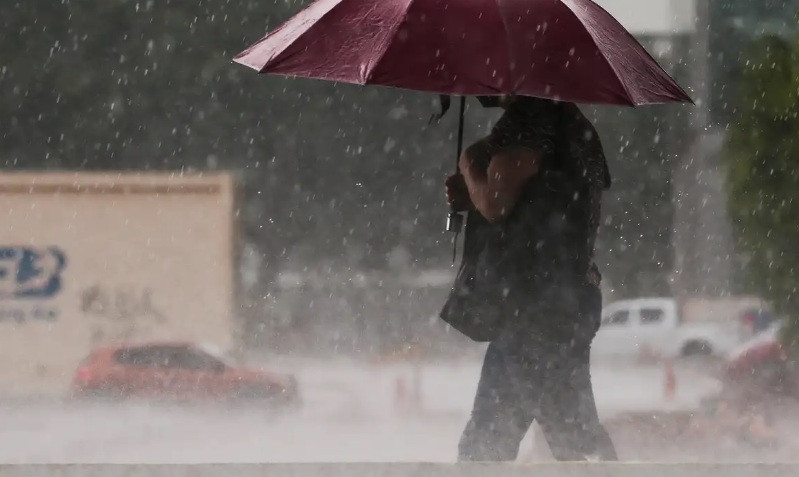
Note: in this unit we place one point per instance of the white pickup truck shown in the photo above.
(653, 325)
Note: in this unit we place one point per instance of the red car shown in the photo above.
(176, 371)
(763, 361)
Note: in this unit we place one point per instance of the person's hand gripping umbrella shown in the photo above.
(570, 50)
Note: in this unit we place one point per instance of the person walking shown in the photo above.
(536, 182)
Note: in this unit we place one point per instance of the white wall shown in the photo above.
(88, 259)
(653, 17)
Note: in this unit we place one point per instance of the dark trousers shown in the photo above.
(533, 375)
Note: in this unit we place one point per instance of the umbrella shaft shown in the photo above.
(460, 131)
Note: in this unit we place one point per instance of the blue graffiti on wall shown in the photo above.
(28, 278)
(30, 273)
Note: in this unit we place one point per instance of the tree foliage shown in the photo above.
(763, 173)
(733, 25)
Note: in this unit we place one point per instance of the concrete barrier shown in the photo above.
(402, 470)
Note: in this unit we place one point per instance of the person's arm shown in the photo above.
(495, 190)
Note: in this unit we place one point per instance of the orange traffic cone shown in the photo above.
(670, 381)
(400, 394)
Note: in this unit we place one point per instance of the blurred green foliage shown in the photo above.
(763, 173)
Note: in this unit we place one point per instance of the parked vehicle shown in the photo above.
(176, 371)
(653, 325)
(756, 320)
(764, 362)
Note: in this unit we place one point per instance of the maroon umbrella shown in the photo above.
(571, 50)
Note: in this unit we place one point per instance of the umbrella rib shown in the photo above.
(388, 42)
(679, 88)
(628, 97)
(508, 45)
(276, 56)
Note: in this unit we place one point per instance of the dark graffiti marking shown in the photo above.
(123, 304)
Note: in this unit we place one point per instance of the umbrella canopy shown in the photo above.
(570, 50)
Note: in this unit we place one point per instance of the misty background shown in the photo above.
(341, 207)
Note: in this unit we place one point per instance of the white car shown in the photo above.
(653, 325)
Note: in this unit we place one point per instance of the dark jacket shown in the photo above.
(545, 246)
(550, 234)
